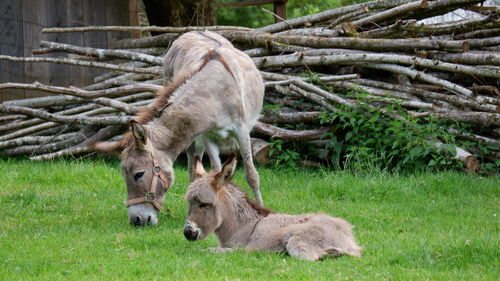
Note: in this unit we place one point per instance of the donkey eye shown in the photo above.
(204, 205)
(138, 175)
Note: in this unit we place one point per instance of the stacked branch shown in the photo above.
(385, 52)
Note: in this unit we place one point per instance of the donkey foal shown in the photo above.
(217, 205)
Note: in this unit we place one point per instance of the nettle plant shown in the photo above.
(285, 152)
(364, 139)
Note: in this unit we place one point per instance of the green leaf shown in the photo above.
(348, 136)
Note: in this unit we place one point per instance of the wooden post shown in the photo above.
(280, 10)
(279, 6)
(133, 14)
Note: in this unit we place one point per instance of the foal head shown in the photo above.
(147, 180)
(204, 199)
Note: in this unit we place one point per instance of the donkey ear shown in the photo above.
(139, 133)
(107, 146)
(227, 172)
(199, 171)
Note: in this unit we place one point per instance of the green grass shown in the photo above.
(66, 220)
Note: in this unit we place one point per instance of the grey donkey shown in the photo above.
(218, 206)
(213, 98)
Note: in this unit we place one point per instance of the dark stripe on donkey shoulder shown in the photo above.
(163, 95)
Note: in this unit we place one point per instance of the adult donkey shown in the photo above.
(213, 98)
(217, 205)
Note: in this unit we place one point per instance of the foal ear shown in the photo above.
(227, 172)
(198, 167)
(139, 133)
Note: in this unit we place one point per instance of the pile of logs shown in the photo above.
(385, 49)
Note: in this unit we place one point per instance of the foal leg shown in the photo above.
(250, 171)
(300, 248)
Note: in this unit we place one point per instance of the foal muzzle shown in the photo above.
(191, 231)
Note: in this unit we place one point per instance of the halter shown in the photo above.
(150, 196)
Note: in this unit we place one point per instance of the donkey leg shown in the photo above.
(213, 153)
(191, 151)
(190, 158)
(251, 173)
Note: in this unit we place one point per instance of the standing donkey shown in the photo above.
(217, 205)
(213, 98)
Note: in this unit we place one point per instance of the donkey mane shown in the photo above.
(260, 209)
(163, 95)
(243, 198)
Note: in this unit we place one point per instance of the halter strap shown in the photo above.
(150, 196)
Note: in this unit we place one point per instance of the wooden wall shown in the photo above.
(21, 22)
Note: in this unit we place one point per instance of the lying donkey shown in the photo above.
(213, 97)
(217, 205)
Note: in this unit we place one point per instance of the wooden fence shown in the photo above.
(20, 25)
(21, 22)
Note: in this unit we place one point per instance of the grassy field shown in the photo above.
(66, 220)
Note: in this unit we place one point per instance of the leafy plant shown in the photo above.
(371, 138)
(285, 152)
(364, 138)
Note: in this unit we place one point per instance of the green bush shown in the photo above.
(363, 138)
(253, 16)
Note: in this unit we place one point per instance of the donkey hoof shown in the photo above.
(334, 252)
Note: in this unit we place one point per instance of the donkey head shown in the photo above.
(147, 178)
(203, 196)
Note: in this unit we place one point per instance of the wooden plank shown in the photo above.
(117, 14)
(34, 19)
(78, 76)
(11, 32)
(133, 15)
(3, 7)
(57, 17)
(94, 14)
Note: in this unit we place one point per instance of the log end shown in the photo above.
(465, 46)
(348, 29)
(471, 164)
(261, 151)
(424, 4)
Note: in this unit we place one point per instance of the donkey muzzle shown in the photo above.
(142, 215)
(191, 231)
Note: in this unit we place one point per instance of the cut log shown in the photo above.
(261, 151)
